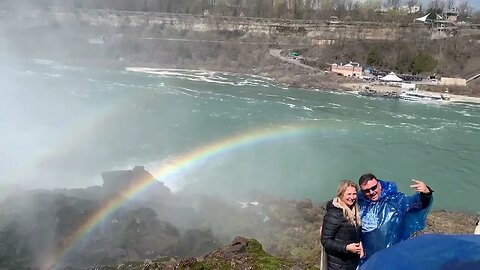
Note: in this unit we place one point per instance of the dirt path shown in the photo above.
(276, 53)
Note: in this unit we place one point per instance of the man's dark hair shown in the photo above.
(365, 178)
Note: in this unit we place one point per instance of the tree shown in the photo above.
(437, 6)
(262, 9)
(422, 62)
(393, 4)
(374, 4)
(450, 4)
(374, 58)
(340, 8)
(464, 10)
(280, 9)
(411, 3)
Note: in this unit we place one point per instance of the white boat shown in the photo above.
(418, 96)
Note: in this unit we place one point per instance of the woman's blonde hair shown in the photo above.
(352, 215)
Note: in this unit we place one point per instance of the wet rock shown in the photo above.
(239, 245)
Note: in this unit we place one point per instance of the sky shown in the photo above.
(475, 4)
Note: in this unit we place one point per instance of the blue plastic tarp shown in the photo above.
(429, 252)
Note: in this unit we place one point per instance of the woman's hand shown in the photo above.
(354, 248)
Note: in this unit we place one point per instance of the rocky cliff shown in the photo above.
(168, 232)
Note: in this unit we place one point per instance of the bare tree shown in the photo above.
(437, 6)
(280, 9)
(411, 3)
(464, 9)
(349, 5)
(450, 4)
(373, 4)
(326, 8)
(340, 7)
(394, 4)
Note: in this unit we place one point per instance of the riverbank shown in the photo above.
(356, 85)
(379, 89)
(124, 39)
(292, 73)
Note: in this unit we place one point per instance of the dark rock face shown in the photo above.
(122, 180)
(127, 235)
(197, 242)
(238, 246)
(146, 236)
(38, 223)
(14, 248)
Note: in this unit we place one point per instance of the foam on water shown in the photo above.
(204, 76)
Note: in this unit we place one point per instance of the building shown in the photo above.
(451, 15)
(351, 69)
(406, 9)
(319, 41)
(453, 81)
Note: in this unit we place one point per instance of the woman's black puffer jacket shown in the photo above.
(337, 233)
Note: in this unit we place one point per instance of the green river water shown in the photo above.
(61, 126)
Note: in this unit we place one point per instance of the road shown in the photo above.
(276, 53)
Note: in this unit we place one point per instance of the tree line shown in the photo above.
(366, 10)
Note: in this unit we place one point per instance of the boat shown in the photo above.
(418, 96)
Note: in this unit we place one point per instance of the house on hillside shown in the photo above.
(451, 15)
(453, 81)
(352, 69)
(407, 9)
(333, 20)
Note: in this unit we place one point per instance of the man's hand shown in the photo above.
(354, 248)
(419, 186)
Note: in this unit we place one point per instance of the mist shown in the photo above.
(69, 112)
(79, 131)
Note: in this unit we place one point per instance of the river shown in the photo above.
(236, 135)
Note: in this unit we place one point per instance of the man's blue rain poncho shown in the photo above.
(429, 251)
(391, 219)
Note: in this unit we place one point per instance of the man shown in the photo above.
(389, 216)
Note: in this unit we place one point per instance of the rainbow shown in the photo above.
(175, 166)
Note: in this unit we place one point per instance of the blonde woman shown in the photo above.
(341, 229)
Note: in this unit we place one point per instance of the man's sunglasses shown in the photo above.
(368, 190)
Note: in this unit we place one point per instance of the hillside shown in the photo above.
(116, 39)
